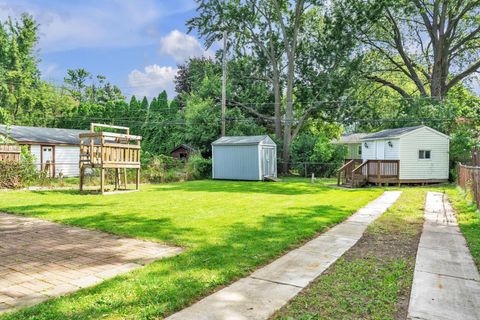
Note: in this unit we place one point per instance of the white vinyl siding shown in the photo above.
(35, 151)
(368, 150)
(413, 168)
(381, 150)
(66, 160)
(392, 152)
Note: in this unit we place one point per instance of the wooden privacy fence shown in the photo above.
(10, 152)
(469, 180)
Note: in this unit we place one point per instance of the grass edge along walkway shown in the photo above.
(261, 294)
(228, 229)
(468, 219)
(446, 282)
(373, 280)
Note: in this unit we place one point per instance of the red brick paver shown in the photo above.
(41, 259)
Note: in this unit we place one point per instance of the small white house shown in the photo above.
(55, 149)
(352, 143)
(423, 152)
(417, 154)
(244, 158)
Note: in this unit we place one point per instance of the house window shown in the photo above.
(359, 150)
(424, 154)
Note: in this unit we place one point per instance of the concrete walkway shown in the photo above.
(268, 289)
(446, 283)
(40, 259)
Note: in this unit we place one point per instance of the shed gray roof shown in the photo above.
(350, 138)
(23, 134)
(243, 140)
(391, 133)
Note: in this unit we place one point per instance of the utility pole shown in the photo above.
(224, 82)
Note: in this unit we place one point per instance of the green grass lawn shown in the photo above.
(227, 229)
(468, 217)
(373, 279)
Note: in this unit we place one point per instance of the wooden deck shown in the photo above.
(355, 173)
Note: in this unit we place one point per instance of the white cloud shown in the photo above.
(182, 46)
(66, 25)
(152, 81)
(50, 71)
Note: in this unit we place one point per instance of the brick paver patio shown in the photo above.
(41, 259)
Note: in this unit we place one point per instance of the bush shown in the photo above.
(161, 168)
(29, 173)
(18, 174)
(10, 175)
(198, 167)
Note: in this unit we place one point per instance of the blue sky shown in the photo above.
(135, 43)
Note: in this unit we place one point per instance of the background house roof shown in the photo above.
(243, 140)
(391, 133)
(185, 146)
(23, 134)
(350, 138)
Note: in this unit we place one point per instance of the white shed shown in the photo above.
(53, 148)
(244, 158)
(423, 152)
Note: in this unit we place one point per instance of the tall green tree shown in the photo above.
(19, 73)
(433, 44)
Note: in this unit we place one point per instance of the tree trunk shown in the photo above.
(277, 105)
(287, 132)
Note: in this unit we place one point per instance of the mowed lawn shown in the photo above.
(227, 229)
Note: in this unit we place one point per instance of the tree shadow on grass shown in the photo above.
(35, 210)
(128, 225)
(281, 188)
(168, 285)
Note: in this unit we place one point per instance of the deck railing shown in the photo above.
(382, 171)
(344, 174)
(110, 150)
(10, 152)
(370, 171)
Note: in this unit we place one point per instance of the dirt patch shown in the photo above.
(373, 279)
(388, 247)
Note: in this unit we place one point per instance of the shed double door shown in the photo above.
(269, 162)
(47, 156)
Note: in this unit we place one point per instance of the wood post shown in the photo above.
(102, 180)
(125, 178)
(137, 180)
(379, 175)
(82, 171)
(117, 178)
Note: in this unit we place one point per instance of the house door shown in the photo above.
(380, 150)
(47, 160)
(269, 162)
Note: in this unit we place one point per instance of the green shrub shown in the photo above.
(158, 168)
(161, 168)
(198, 167)
(10, 172)
(18, 174)
(29, 172)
